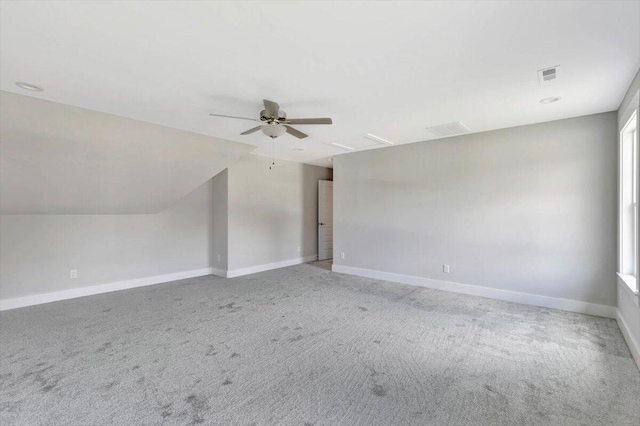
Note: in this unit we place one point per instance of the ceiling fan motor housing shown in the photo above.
(264, 117)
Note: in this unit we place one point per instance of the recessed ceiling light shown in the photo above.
(348, 148)
(550, 100)
(377, 139)
(27, 86)
(298, 149)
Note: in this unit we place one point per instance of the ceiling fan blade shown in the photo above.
(309, 121)
(271, 108)
(233, 116)
(248, 132)
(297, 133)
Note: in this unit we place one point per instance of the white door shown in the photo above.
(325, 219)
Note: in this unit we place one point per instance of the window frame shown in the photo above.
(630, 279)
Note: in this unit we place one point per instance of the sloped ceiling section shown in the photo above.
(59, 159)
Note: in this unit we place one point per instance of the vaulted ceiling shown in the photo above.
(58, 159)
(386, 68)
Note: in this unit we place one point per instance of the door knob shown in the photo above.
(320, 224)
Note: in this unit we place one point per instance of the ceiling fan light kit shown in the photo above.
(275, 122)
(273, 130)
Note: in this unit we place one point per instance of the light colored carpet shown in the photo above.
(305, 346)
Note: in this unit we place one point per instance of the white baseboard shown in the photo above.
(55, 296)
(492, 293)
(269, 266)
(634, 347)
(219, 272)
(38, 299)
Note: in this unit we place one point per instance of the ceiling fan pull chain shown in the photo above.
(271, 162)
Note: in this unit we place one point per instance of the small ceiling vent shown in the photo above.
(450, 129)
(548, 74)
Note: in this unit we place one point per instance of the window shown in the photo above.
(629, 201)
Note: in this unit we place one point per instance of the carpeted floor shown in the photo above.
(305, 346)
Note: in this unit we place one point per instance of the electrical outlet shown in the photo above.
(298, 249)
(342, 255)
(73, 273)
(445, 269)
(219, 258)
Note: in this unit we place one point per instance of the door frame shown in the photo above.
(323, 184)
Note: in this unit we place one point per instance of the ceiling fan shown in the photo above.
(275, 122)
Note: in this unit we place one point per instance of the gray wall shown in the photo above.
(38, 251)
(220, 215)
(272, 212)
(530, 209)
(247, 214)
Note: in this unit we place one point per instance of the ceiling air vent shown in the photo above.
(450, 129)
(548, 74)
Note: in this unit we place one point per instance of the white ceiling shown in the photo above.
(386, 68)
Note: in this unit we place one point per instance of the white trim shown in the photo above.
(633, 119)
(55, 296)
(634, 347)
(625, 282)
(219, 272)
(492, 293)
(38, 299)
(269, 266)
